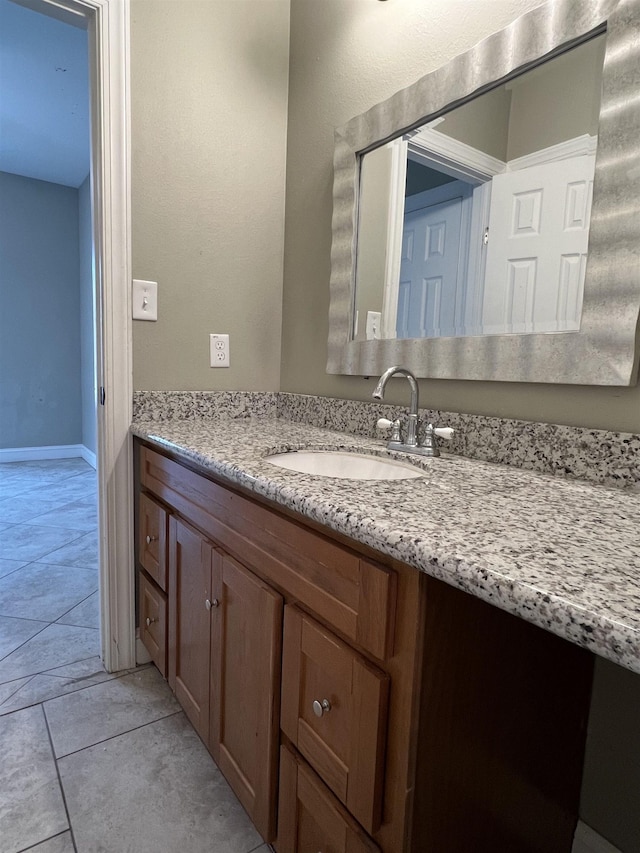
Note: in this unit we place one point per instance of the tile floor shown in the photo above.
(89, 762)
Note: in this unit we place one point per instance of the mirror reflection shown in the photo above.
(477, 223)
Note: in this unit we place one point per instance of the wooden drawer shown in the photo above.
(153, 622)
(334, 710)
(355, 596)
(152, 539)
(310, 818)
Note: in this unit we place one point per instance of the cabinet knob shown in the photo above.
(149, 621)
(151, 539)
(320, 708)
(209, 604)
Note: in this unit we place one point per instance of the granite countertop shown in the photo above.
(561, 554)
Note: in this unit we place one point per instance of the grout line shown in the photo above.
(72, 688)
(44, 841)
(33, 636)
(23, 618)
(121, 734)
(17, 690)
(59, 666)
(13, 571)
(55, 761)
(82, 601)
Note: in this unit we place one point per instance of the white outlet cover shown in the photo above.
(145, 299)
(219, 350)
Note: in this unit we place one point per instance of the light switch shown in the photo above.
(374, 319)
(145, 300)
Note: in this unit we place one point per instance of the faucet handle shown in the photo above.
(394, 426)
(444, 432)
(429, 442)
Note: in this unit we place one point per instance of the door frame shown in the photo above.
(107, 25)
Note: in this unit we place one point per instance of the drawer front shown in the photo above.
(355, 596)
(153, 622)
(152, 539)
(334, 709)
(310, 818)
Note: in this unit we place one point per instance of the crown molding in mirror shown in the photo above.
(603, 352)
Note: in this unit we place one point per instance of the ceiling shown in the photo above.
(44, 97)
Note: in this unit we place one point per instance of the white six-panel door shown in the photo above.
(433, 268)
(536, 256)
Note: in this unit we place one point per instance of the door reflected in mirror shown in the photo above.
(477, 223)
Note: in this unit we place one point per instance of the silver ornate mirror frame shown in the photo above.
(604, 351)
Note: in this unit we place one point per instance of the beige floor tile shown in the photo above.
(153, 789)
(85, 615)
(81, 719)
(31, 805)
(60, 844)
(44, 591)
(55, 646)
(15, 632)
(31, 541)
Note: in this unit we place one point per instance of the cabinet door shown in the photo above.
(152, 539)
(334, 709)
(310, 819)
(246, 643)
(190, 567)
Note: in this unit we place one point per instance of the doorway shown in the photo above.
(107, 25)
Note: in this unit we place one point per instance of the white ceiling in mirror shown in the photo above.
(601, 347)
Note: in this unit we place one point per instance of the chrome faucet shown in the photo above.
(426, 445)
(411, 439)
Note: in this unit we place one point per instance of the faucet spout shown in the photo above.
(378, 394)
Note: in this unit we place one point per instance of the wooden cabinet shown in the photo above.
(334, 710)
(152, 539)
(225, 629)
(152, 527)
(153, 621)
(310, 819)
(190, 603)
(246, 650)
(366, 705)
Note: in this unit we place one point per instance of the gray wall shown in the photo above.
(39, 314)
(209, 113)
(87, 334)
(347, 55)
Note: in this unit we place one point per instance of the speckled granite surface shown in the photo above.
(597, 456)
(561, 554)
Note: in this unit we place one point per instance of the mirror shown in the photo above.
(507, 314)
(477, 223)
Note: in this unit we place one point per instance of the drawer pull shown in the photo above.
(149, 621)
(209, 604)
(320, 708)
(151, 539)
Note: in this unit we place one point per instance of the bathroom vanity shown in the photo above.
(354, 700)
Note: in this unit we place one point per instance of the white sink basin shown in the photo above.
(347, 466)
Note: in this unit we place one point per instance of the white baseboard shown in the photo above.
(89, 456)
(587, 840)
(54, 451)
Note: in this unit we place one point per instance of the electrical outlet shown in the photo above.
(219, 350)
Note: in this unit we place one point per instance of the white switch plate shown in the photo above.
(374, 319)
(145, 300)
(219, 350)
